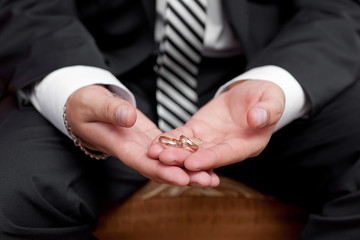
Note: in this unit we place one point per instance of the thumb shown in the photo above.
(114, 110)
(268, 110)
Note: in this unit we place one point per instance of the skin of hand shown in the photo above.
(107, 123)
(234, 126)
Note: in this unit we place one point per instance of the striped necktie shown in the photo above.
(177, 63)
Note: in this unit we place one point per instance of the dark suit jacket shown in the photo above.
(317, 41)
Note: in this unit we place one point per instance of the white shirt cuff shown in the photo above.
(49, 96)
(296, 104)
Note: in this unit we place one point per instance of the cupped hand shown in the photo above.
(232, 127)
(105, 122)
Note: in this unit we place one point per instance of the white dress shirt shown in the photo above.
(49, 96)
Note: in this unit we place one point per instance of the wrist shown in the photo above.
(78, 143)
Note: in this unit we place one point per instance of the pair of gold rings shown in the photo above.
(181, 142)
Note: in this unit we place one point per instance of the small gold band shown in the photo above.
(189, 143)
(182, 142)
(170, 141)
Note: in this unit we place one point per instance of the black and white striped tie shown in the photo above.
(177, 63)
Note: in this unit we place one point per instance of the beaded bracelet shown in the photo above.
(77, 141)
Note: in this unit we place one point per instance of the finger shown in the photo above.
(160, 172)
(212, 155)
(268, 110)
(203, 178)
(173, 156)
(163, 173)
(157, 148)
(199, 179)
(97, 104)
(215, 180)
(167, 174)
(114, 110)
(151, 168)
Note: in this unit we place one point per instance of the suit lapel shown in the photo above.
(236, 12)
(149, 6)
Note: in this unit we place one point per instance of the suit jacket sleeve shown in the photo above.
(38, 37)
(319, 46)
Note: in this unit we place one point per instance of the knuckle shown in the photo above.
(278, 110)
(105, 110)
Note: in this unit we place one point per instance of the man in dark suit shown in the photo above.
(51, 190)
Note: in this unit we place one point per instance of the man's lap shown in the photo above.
(47, 183)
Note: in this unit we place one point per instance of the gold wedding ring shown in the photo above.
(187, 142)
(170, 141)
(183, 141)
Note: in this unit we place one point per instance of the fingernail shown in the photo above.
(261, 118)
(121, 115)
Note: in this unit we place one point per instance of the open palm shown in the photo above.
(95, 116)
(234, 126)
